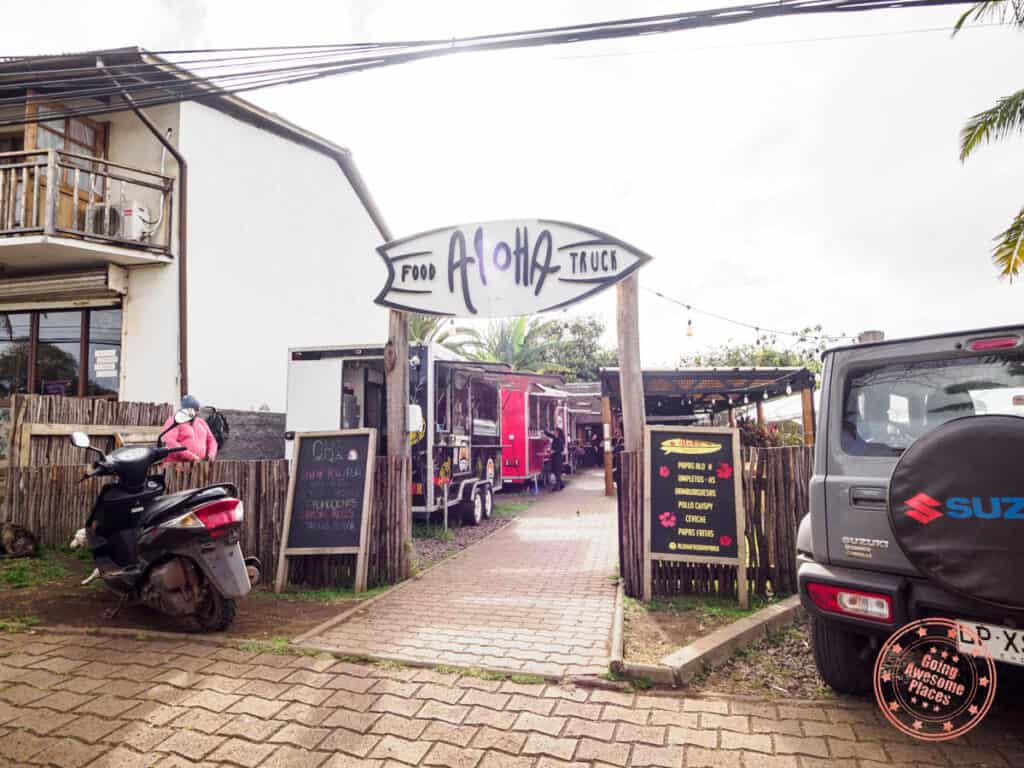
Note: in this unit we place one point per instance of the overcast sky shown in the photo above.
(785, 173)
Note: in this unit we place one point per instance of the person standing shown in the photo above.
(557, 455)
(195, 436)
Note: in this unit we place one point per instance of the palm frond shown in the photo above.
(1007, 254)
(1002, 11)
(1006, 117)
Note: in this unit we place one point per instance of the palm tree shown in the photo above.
(443, 331)
(518, 341)
(995, 123)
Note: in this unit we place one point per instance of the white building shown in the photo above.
(129, 271)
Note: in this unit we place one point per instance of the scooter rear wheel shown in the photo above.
(215, 613)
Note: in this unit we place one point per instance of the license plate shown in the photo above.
(1003, 643)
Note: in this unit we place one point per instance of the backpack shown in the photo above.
(218, 424)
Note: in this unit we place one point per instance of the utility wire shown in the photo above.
(392, 53)
(758, 328)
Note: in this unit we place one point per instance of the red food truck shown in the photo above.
(531, 404)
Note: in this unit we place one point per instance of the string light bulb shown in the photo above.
(765, 396)
(689, 322)
(746, 400)
(789, 389)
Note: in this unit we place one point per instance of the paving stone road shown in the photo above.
(85, 700)
(536, 597)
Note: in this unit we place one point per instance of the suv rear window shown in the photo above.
(887, 407)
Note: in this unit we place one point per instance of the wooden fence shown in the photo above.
(32, 450)
(52, 503)
(775, 482)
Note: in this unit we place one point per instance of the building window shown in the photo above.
(14, 353)
(104, 356)
(60, 352)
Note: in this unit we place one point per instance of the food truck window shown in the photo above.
(460, 404)
(485, 408)
(535, 415)
(443, 408)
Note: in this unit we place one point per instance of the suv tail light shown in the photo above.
(851, 602)
(213, 516)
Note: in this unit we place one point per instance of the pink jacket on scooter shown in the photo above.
(197, 439)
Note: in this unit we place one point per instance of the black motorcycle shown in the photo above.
(177, 553)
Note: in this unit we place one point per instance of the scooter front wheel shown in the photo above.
(215, 613)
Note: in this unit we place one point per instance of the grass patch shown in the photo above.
(277, 646)
(18, 625)
(318, 595)
(717, 607)
(641, 683)
(613, 677)
(480, 674)
(509, 509)
(526, 679)
(431, 531)
(83, 553)
(22, 572)
(389, 664)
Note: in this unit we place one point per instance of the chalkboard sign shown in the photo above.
(330, 491)
(693, 498)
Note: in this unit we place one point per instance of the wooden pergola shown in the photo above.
(687, 395)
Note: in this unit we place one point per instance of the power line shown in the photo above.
(758, 328)
(354, 56)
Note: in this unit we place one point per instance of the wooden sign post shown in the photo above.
(693, 500)
(330, 498)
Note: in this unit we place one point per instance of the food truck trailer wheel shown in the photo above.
(474, 510)
(488, 494)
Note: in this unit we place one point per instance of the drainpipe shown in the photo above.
(182, 227)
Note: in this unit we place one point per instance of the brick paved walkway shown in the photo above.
(76, 700)
(536, 597)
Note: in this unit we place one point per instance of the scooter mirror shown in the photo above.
(184, 416)
(80, 439)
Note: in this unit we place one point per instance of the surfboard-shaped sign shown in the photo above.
(503, 268)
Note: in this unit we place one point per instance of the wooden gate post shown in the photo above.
(631, 383)
(606, 442)
(807, 401)
(397, 393)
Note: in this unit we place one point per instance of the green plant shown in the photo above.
(1006, 117)
(641, 683)
(524, 679)
(431, 531)
(614, 677)
(18, 625)
(33, 571)
(445, 669)
(277, 646)
(509, 509)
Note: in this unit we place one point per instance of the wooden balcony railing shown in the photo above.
(53, 192)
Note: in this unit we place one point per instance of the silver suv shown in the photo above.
(917, 498)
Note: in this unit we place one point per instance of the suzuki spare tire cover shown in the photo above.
(956, 505)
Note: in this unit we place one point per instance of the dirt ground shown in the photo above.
(780, 666)
(63, 600)
(656, 629)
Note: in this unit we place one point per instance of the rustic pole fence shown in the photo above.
(776, 490)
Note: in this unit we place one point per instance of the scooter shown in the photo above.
(176, 553)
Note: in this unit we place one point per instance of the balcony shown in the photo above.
(62, 210)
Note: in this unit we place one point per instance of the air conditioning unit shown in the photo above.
(127, 222)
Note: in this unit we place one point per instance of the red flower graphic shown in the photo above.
(725, 540)
(667, 520)
(724, 471)
(664, 472)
